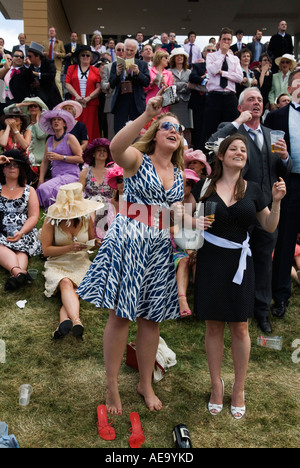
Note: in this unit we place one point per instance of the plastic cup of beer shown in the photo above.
(25, 393)
(275, 136)
(11, 231)
(210, 210)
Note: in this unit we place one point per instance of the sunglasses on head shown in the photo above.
(166, 126)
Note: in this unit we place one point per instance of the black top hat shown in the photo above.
(84, 48)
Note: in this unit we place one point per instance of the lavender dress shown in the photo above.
(62, 174)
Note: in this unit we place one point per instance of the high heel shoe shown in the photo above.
(137, 438)
(77, 329)
(238, 412)
(216, 409)
(105, 431)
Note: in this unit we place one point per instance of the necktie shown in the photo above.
(51, 50)
(112, 55)
(224, 81)
(257, 140)
(191, 54)
(13, 72)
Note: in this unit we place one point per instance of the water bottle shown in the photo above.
(2, 352)
(182, 437)
(272, 342)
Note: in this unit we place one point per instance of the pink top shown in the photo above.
(214, 63)
(152, 91)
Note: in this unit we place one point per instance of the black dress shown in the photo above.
(216, 296)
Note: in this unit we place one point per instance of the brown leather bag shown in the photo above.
(126, 87)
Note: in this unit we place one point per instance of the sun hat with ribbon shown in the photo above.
(196, 155)
(70, 204)
(46, 118)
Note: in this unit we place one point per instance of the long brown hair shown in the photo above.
(147, 144)
(239, 191)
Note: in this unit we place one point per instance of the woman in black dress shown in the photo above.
(224, 283)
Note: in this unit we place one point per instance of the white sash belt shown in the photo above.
(227, 244)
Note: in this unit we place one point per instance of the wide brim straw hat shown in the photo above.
(34, 100)
(12, 112)
(19, 157)
(191, 175)
(112, 175)
(84, 48)
(70, 204)
(196, 155)
(88, 154)
(179, 51)
(77, 106)
(46, 118)
(287, 57)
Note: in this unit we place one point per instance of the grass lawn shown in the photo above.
(68, 379)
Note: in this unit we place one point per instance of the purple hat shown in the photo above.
(46, 118)
(89, 152)
(191, 175)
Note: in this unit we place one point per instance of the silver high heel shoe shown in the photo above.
(238, 412)
(216, 409)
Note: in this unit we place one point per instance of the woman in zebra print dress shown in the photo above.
(133, 275)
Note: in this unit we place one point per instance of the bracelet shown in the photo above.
(17, 132)
(65, 158)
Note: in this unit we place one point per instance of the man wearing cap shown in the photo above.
(42, 76)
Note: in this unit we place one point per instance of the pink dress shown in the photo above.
(152, 91)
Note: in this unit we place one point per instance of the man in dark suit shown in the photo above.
(239, 42)
(263, 167)
(70, 50)
(129, 100)
(288, 120)
(280, 44)
(256, 47)
(22, 45)
(18, 79)
(43, 73)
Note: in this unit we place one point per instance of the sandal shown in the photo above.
(137, 438)
(185, 313)
(216, 409)
(77, 328)
(64, 328)
(238, 412)
(106, 432)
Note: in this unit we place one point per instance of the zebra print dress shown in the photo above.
(133, 273)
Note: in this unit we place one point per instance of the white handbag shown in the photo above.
(191, 239)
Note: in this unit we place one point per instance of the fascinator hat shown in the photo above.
(70, 204)
(45, 122)
(196, 155)
(113, 173)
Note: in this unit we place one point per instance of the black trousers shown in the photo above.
(219, 108)
(124, 111)
(289, 227)
(262, 246)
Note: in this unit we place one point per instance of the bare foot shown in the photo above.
(151, 400)
(113, 401)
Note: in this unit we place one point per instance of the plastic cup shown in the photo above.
(210, 210)
(33, 273)
(25, 393)
(275, 136)
(11, 231)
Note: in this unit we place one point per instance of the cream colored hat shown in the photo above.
(70, 204)
(289, 57)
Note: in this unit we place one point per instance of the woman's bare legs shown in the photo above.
(182, 277)
(241, 346)
(15, 261)
(146, 347)
(70, 300)
(214, 341)
(114, 342)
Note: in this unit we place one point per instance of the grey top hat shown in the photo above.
(36, 48)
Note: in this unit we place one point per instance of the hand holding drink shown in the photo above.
(276, 141)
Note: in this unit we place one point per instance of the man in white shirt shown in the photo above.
(192, 49)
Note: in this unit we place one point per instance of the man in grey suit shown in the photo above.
(263, 167)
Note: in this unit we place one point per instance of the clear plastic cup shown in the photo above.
(275, 136)
(33, 273)
(25, 394)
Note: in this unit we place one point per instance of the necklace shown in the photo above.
(12, 188)
(59, 138)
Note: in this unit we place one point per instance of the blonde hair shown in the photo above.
(158, 56)
(93, 41)
(147, 144)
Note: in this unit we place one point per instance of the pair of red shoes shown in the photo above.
(107, 432)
